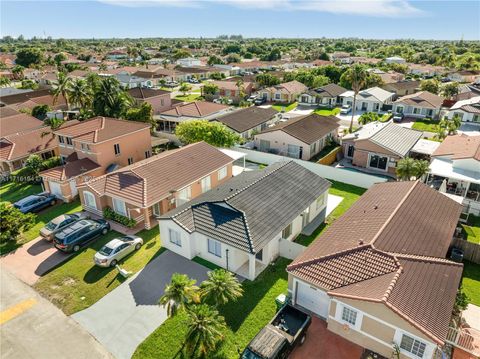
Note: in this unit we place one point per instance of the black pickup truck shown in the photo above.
(278, 338)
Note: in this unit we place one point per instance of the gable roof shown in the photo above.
(230, 85)
(147, 182)
(7, 111)
(143, 92)
(291, 87)
(308, 129)
(24, 96)
(247, 118)
(25, 143)
(197, 109)
(403, 85)
(99, 129)
(471, 105)
(389, 248)
(396, 139)
(459, 147)
(17, 123)
(371, 94)
(422, 99)
(330, 90)
(250, 209)
(69, 170)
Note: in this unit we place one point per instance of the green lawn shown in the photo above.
(425, 125)
(77, 283)
(471, 230)
(12, 192)
(385, 117)
(471, 282)
(244, 319)
(285, 107)
(349, 193)
(188, 98)
(206, 263)
(327, 112)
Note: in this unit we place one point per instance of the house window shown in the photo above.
(89, 199)
(379, 162)
(85, 147)
(287, 232)
(304, 99)
(459, 114)
(264, 145)
(119, 206)
(214, 247)
(293, 151)
(147, 154)
(156, 209)
(350, 151)
(184, 195)
(476, 118)
(116, 148)
(400, 109)
(174, 237)
(61, 139)
(429, 112)
(349, 315)
(222, 173)
(69, 141)
(376, 106)
(278, 96)
(313, 148)
(320, 201)
(416, 110)
(413, 346)
(130, 160)
(206, 185)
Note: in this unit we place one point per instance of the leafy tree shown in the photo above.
(217, 76)
(274, 55)
(320, 80)
(267, 79)
(109, 99)
(17, 71)
(431, 85)
(58, 58)
(409, 168)
(34, 163)
(13, 222)
(357, 76)
(368, 117)
(4, 81)
(40, 111)
(184, 87)
(180, 54)
(461, 302)
(29, 56)
(213, 133)
(214, 60)
(421, 168)
(29, 84)
(232, 48)
(179, 293)
(141, 113)
(233, 58)
(221, 287)
(62, 87)
(209, 89)
(450, 90)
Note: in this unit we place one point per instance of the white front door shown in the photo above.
(73, 188)
(313, 299)
(55, 189)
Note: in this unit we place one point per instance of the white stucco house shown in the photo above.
(249, 221)
(468, 110)
(189, 62)
(369, 100)
(419, 104)
(395, 60)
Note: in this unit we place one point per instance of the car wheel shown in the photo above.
(76, 248)
(302, 340)
(52, 202)
(104, 231)
(113, 263)
(137, 246)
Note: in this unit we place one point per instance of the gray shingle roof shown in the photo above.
(397, 139)
(250, 209)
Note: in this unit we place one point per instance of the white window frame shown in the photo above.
(222, 173)
(175, 237)
(156, 209)
(120, 207)
(214, 247)
(87, 196)
(398, 339)
(339, 318)
(370, 155)
(320, 202)
(287, 229)
(68, 141)
(184, 195)
(206, 183)
(349, 316)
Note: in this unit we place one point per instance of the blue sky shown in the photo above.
(440, 19)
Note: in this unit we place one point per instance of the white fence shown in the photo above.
(467, 339)
(290, 250)
(337, 174)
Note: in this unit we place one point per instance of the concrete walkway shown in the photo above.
(32, 327)
(332, 203)
(126, 316)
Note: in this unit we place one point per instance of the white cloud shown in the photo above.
(378, 8)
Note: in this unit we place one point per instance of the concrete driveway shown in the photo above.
(126, 316)
(32, 327)
(33, 260)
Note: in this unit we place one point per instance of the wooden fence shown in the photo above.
(330, 157)
(471, 250)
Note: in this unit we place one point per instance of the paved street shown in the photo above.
(126, 316)
(32, 327)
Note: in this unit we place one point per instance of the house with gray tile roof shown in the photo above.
(328, 96)
(245, 223)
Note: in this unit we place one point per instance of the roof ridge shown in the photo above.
(421, 258)
(392, 283)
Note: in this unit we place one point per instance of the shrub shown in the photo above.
(109, 213)
(13, 222)
(51, 162)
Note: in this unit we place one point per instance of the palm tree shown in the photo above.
(62, 87)
(406, 169)
(205, 330)
(80, 94)
(421, 168)
(221, 287)
(179, 294)
(357, 75)
(109, 99)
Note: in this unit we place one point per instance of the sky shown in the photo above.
(374, 19)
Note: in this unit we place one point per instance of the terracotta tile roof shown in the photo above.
(422, 99)
(25, 143)
(147, 182)
(143, 93)
(197, 109)
(458, 147)
(18, 123)
(403, 85)
(389, 247)
(308, 129)
(99, 129)
(7, 111)
(247, 118)
(24, 96)
(70, 170)
(292, 87)
(231, 85)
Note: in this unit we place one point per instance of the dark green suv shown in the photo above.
(72, 238)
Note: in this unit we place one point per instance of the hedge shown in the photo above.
(109, 213)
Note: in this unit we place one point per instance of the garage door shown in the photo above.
(55, 189)
(73, 188)
(313, 299)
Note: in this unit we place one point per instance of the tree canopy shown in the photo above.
(214, 133)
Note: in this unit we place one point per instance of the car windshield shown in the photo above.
(51, 226)
(106, 251)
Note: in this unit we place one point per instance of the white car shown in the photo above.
(345, 109)
(116, 249)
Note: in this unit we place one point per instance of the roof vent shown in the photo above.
(375, 207)
(360, 242)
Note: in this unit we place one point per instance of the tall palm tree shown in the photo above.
(179, 294)
(62, 87)
(357, 75)
(110, 99)
(221, 287)
(205, 330)
(406, 169)
(80, 93)
(421, 168)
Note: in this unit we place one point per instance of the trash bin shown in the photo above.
(281, 300)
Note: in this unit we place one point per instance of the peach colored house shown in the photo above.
(159, 99)
(154, 186)
(92, 148)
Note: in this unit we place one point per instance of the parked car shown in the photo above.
(345, 110)
(171, 84)
(61, 222)
(398, 117)
(260, 101)
(116, 249)
(457, 255)
(278, 338)
(223, 101)
(193, 80)
(252, 98)
(35, 202)
(72, 238)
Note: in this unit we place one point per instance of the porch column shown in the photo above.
(251, 266)
(147, 218)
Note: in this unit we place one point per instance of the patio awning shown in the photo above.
(425, 147)
(236, 155)
(445, 169)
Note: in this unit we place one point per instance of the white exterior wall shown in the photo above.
(468, 164)
(466, 116)
(408, 110)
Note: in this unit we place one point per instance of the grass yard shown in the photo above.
(349, 193)
(471, 230)
(189, 98)
(471, 282)
(12, 191)
(285, 107)
(77, 283)
(244, 318)
(327, 112)
(385, 117)
(425, 124)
